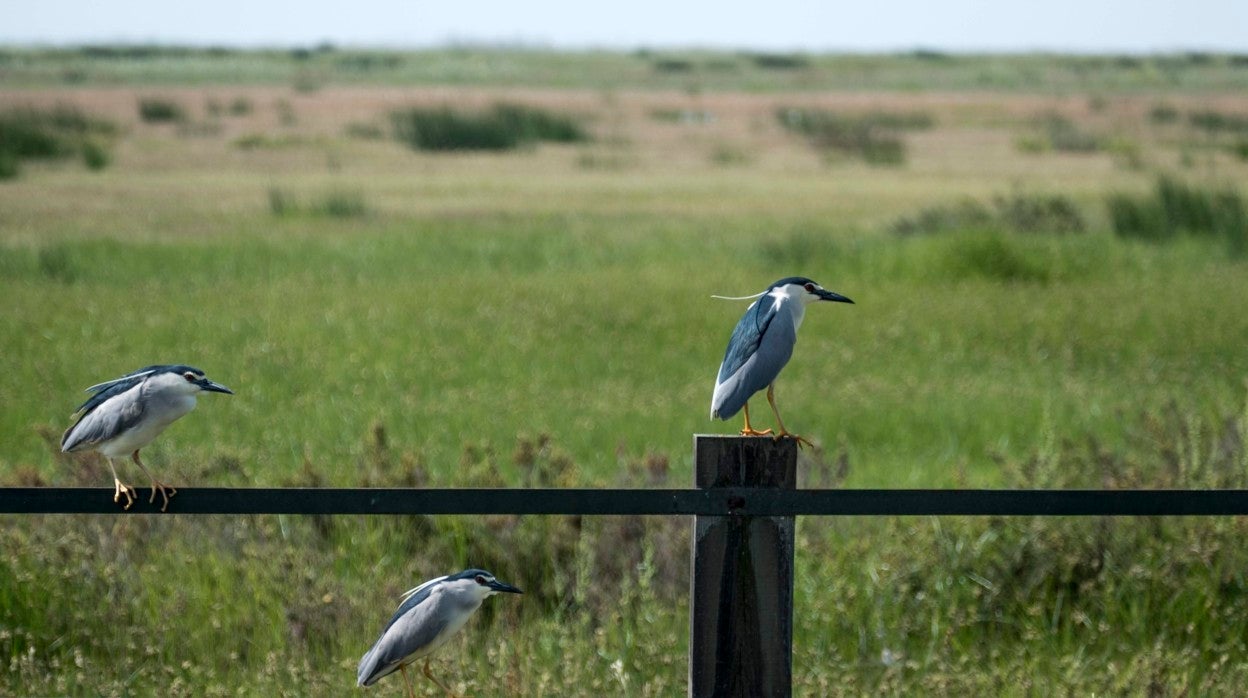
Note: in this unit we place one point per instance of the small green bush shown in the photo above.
(1018, 213)
(160, 110)
(966, 214)
(1176, 208)
(60, 132)
(535, 124)
(993, 256)
(342, 204)
(444, 129)
(10, 168)
(1163, 114)
(30, 134)
(1240, 149)
(1214, 121)
(874, 136)
(726, 155)
(240, 106)
(503, 127)
(95, 156)
(673, 65)
(364, 131)
(281, 202)
(779, 61)
(1064, 136)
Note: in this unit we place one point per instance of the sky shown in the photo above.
(1097, 26)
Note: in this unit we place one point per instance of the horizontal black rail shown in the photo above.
(644, 502)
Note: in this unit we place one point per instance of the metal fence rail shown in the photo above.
(743, 508)
(742, 501)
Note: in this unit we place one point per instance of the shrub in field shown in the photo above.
(282, 202)
(364, 131)
(967, 214)
(9, 167)
(503, 127)
(63, 131)
(1215, 121)
(1063, 135)
(536, 124)
(95, 156)
(337, 203)
(1019, 212)
(779, 61)
(1176, 208)
(446, 129)
(673, 65)
(240, 106)
(874, 136)
(341, 204)
(994, 256)
(160, 110)
(1163, 114)
(1038, 213)
(1240, 150)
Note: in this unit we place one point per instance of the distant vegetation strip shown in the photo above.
(308, 68)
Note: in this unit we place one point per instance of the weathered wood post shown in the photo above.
(741, 595)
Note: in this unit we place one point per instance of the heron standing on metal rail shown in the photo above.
(761, 345)
(125, 414)
(428, 616)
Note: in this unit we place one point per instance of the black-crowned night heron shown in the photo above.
(125, 414)
(761, 345)
(428, 616)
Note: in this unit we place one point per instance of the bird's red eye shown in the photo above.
(810, 288)
(190, 377)
(480, 580)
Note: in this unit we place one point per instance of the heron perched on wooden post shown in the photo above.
(761, 345)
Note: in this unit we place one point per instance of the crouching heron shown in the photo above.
(428, 616)
(761, 345)
(124, 415)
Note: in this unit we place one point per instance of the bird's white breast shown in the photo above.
(161, 410)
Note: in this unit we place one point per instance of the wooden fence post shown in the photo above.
(741, 594)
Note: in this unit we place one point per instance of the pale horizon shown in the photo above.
(889, 26)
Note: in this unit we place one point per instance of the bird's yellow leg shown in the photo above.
(771, 398)
(747, 430)
(429, 675)
(407, 683)
(120, 489)
(165, 490)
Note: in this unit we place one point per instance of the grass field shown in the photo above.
(543, 317)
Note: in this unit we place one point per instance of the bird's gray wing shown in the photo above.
(746, 336)
(128, 379)
(108, 413)
(416, 624)
(769, 337)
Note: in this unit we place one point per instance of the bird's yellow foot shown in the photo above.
(121, 489)
(429, 675)
(749, 431)
(165, 491)
(801, 440)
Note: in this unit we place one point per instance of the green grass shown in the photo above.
(518, 319)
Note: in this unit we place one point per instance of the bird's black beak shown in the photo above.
(214, 387)
(830, 296)
(504, 587)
